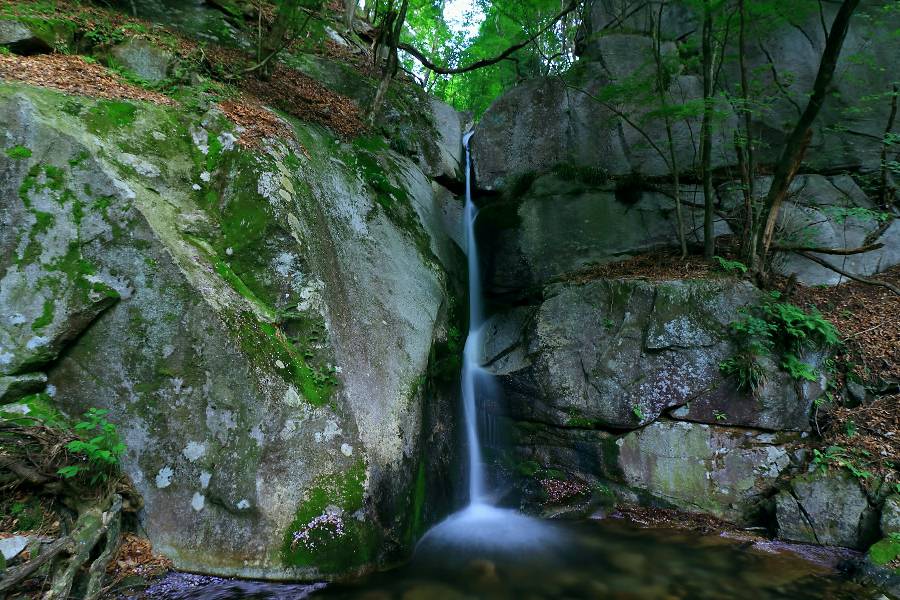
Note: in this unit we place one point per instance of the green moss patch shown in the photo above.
(46, 315)
(885, 551)
(109, 115)
(327, 532)
(18, 152)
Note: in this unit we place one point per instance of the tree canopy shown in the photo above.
(505, 24)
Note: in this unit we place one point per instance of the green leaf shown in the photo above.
(69, 472)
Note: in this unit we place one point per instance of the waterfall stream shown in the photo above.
(481, 526)
(472, 372)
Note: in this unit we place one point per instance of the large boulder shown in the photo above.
(36, 36)
(829, 508)
(569, 220)
(694, 467)
(143, 58)
(563, 121)
(617, 354)
(579, 119)
(258, 323)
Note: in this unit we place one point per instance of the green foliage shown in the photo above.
(505, 22)
(841, 213)
(731, 266)
(24, 514)
(746, 368)
(854, 460)
(798, 369)
(779, 330)
(886, 550)
(99, 446)
(638, 412)
(18, 152)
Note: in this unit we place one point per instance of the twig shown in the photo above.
(858, 278)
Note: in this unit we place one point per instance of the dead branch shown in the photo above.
(858, 278)
(15, 576)
(832, 251)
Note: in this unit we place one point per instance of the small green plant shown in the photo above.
(837, 456)
(798, 369)
(99, 446)
(638, 412)
(777, 330)
(731, 266)
(608, 323)
(719, 415)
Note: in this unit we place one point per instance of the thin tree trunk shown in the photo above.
(349, 13)
(886, 193)
(709, 242)
(393, 61)
(798, 140)
(670, 138)
(747, 156)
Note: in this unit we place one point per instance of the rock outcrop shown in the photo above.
(827, 508)
(258, 322)
(614, 385)
(603, 117)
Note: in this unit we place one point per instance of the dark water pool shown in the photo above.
(597, 559)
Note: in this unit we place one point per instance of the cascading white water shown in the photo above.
(472, 372)
(481, 527)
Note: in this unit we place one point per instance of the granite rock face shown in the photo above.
(258, 323)
(827, 508)
(618, 354)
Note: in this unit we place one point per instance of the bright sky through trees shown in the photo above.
(463, 16)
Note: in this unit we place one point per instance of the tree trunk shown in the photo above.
(709, 242)
(747, 154)
(670, 138)
(349, 13)
(887, 193)
(391, 39)
(798, 140)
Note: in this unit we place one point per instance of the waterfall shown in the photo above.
(472, 373)
(481, 528)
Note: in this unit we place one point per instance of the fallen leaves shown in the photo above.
(654, 266)
(256, 121)
(307, 99)
(136, 558)
(74, 75)
(868, 318)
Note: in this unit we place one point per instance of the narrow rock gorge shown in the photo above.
(234, 298)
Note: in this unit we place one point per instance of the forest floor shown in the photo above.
(868, 318)
(242, 96)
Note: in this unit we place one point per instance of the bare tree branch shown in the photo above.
(858, 278)
(488, 61)
(832, 251)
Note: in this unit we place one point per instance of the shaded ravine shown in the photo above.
(487, 551)
(481, 526)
